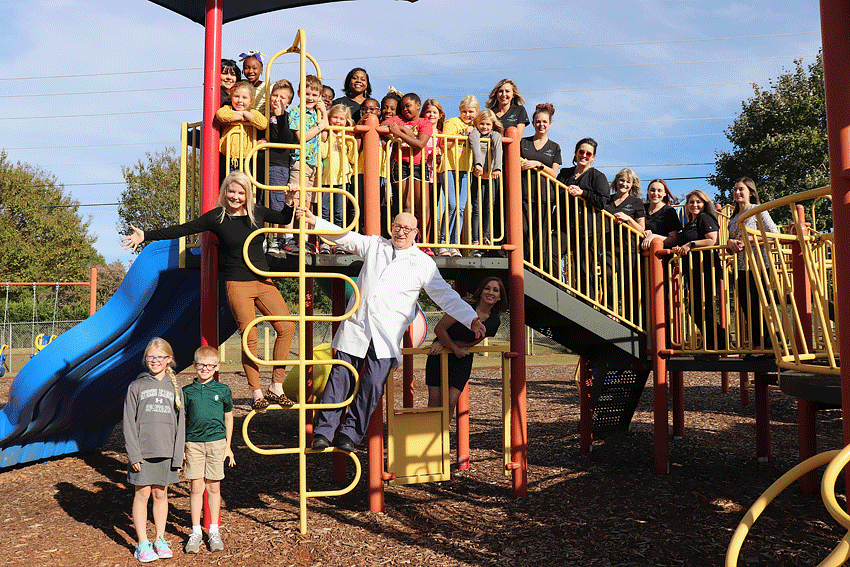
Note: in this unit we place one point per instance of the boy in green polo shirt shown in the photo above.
(209, 429)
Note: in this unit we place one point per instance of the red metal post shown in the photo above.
(677, 384)
(585, 404)
(724, 382)
(806, 410)
(407, 372)
(659, 362)
(745, 392)
(835, 29)
(209, 180)
(462, 409)
(372, 223)
(762, 418)
(516, 285)
(93, 292)
(807, 442)
(462, 422)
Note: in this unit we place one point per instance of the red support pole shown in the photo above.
(372, 225)
(762, 418)
(806, 410)
(462, 421)
(93, 292)
(209, 181)
(724, 382)
(659, 363)
(835, 29)
(462, 409)
(745, 392)
(585, 404)
(807, 442)
(407, 372)
(677, 384)
(516, 285)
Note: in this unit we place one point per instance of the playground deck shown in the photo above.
(602, 508)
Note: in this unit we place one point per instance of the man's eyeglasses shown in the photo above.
(200, 366)
(404, 229)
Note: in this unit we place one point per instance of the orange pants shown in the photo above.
(245, 299)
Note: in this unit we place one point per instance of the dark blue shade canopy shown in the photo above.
(196, 10)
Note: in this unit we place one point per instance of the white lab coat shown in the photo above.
(389, 290)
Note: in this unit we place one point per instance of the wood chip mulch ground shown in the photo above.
(602, 508)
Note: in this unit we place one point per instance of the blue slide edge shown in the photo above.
(70, 396)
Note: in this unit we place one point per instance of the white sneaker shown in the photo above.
(444, 252)
(215, 542)
(194, 543)
(456, 252)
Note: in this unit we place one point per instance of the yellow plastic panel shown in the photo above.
(418, 448)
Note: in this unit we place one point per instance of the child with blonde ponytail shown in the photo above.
(154, 434)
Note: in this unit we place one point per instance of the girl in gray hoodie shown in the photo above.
(154, 434)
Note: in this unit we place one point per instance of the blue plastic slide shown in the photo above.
(69, 396)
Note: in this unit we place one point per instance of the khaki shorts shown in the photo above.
(310, 172)
(205, 460)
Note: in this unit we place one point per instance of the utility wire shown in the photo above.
(28, 95)
(411, 55)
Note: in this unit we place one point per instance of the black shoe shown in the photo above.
(320, 442)
(343, 442)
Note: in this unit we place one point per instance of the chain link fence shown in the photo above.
(18, 339)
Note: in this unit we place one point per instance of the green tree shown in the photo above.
(780, 141)
(44, 240)
(152, 197)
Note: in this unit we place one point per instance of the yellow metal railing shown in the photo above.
(479, 215)
(836, 462)
(796, 289)
(584, 250)
(190, 182)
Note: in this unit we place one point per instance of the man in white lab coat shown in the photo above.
(394, 272)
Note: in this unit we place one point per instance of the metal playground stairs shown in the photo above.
(617, 352)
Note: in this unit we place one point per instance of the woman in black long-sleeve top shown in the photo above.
(584, 226)
(699, 269)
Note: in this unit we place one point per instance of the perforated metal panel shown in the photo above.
(616, 394)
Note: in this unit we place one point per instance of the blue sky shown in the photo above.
(655, 82)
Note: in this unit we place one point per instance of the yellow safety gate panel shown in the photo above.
(418, 438)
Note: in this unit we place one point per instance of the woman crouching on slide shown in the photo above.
(489, 300)
(233, 220)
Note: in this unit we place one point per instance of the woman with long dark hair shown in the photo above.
(489, 300)
(746, 196)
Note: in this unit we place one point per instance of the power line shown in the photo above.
(103, 92)
(574, 67)
(110, 74)
(79, 205)
(93, 146)
(574, 46)
(600, 89)
(410, 55)
(100, 114)
(463, 72)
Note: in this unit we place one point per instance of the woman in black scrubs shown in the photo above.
(698, 269)
(538, 154)
(583, 224)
